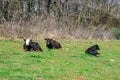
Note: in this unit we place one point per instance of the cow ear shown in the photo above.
(96, 44)
(45, 39)
(24, 39)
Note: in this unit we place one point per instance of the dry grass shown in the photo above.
(39, 28)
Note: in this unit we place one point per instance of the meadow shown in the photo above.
(68, 63)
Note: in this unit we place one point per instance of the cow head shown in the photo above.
(48, 40)
(27, 41)
(97, 47)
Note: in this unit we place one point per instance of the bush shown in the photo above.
(116, 32)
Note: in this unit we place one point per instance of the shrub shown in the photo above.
(116, 32)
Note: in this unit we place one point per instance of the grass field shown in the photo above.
(69, 63)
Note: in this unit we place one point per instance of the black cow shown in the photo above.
(31, 46)
(52, 44)
(93, 50)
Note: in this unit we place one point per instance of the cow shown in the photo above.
(52, 44)
(29, 45)
(93, 50)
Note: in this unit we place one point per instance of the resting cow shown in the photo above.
(31, 46)
(93, 50)
(52, 44)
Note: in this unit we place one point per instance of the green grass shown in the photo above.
(69, 63)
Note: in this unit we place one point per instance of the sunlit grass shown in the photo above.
(68, 63)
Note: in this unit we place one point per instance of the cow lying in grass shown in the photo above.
(93, 50)
(31, 46)
(52, 44)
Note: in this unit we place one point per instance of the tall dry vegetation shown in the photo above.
(69, 19)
